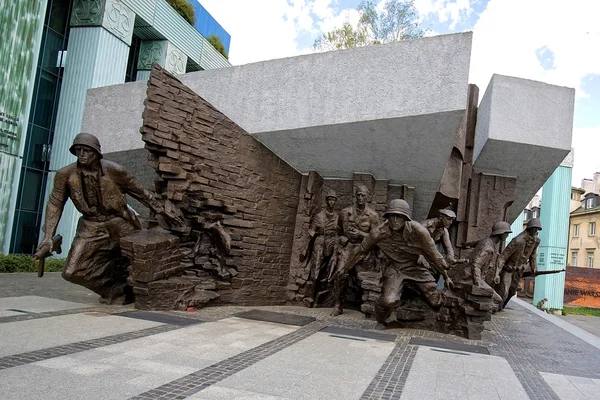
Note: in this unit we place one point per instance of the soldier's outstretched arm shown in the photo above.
(54, 209)
(433, 257)
(533, 261)
(448, 246)
(361, 251)
(130, 185)
(505, 255)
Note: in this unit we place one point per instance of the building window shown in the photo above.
(576, 230)
(590, 259)
(574, 259)
(592, 228)
(589, 203)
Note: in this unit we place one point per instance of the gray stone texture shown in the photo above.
(446, 374)
(136, 162)
(523, 130)
(377, 101)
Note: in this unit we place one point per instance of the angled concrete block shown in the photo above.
(523, 130)
(390, 110)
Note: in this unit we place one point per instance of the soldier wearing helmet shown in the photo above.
(402, 241)
(485, 254)
(97, 189)
(438, 229)
(357, 220)
(324, 230)
(522, 250)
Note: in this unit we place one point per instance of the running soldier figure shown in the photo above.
(357, 222)
(485, 254)
(513, 260)
(97, 189)
(401, 241)
(438, 229)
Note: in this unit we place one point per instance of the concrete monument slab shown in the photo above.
(303, 107)
(523, 130)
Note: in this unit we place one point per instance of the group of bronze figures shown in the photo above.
(406, 250)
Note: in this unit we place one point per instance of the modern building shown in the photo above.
(53, 51)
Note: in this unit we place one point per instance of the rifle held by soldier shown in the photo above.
(46, 251)
(528, 273)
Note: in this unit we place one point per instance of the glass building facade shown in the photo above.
(40, 128)
(25, 186)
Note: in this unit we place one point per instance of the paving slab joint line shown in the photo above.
(204, 378)
(16, 360)
(46, 314)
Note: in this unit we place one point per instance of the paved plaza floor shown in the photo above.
(57, 342)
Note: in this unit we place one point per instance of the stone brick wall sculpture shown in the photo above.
(210, 171)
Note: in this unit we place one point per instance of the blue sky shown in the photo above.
(551, 41)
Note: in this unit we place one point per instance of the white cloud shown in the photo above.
(586, 142)
(268, 29)
(509, 32)
(454, 11)
(506, 37)
(505, 40)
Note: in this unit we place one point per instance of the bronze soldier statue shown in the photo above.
(522, 250)
(324, 231)
(401, 242)
(485, 253)
(438, 229)
(357, 222)
(97, 188)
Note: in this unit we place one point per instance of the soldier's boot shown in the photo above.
(340, 284)
(382, 314)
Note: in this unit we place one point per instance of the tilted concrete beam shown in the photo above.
(524, 130)
(390, 110)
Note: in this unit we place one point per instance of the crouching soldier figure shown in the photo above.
(97, 188)
(438, 229)
(514, 259)
(486, 253)
(401, 241)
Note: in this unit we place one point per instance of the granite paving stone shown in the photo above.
(37, 334)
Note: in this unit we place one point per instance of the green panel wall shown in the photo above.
(21, 23)
(552, 253)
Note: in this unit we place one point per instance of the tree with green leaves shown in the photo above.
(396, 21)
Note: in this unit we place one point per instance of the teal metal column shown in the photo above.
(21, 25)
(97, 55)
(552, 253)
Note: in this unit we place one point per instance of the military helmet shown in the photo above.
(86, 139)
(534, 223)
(501, 228)
(331, 193)
(360, 188)
(398, 206)
(448, 213)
